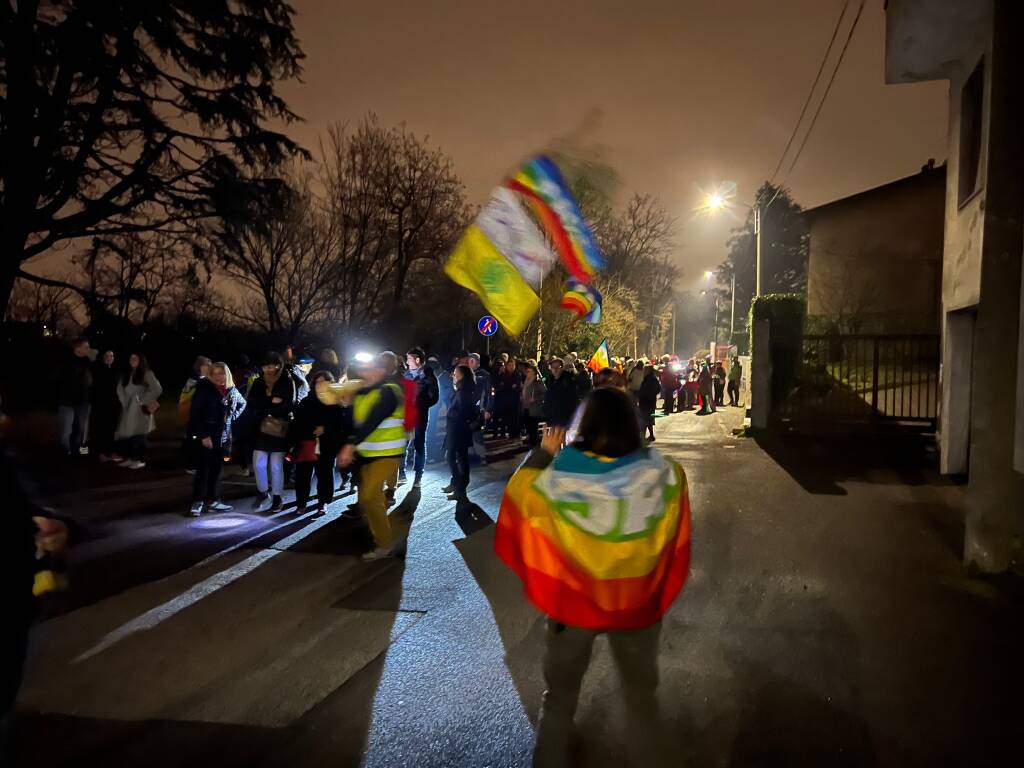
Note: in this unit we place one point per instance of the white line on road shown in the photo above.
(208, 586)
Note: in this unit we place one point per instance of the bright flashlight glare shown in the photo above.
(675, 367)
(363, 357)
(715, 202)
(708, 273)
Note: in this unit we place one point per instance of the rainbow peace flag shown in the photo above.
(582, 299)
(542, 183)
(601, 358)
(598, 543)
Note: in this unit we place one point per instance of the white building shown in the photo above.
(973, 45)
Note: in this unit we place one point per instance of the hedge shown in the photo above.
(786, 313)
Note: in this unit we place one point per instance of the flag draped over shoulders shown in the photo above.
(598, 543)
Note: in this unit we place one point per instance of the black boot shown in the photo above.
(276, 504)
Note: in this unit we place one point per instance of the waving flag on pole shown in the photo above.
(512, 232)
(542, 183)
(601, 358)
(584, 300)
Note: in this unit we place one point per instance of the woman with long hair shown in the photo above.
(213, 408)
(461, 420)
(271, 406)
(599, 534)
(138, 392)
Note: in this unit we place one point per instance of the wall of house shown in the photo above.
(875, 259)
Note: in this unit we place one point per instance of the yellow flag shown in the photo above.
(477, 265)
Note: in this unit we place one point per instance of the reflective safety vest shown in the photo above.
(388, 439)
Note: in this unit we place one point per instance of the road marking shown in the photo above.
(208, 586)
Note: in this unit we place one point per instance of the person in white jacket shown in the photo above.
(139, 393)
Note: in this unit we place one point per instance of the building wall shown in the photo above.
(982, 266)
(875, 259)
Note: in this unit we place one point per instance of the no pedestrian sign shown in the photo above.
(487, 326)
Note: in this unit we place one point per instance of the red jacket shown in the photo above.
(412, 411)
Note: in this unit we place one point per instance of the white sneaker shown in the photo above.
(196, 509)
(135, 465)
(379, 553)
(219, 506)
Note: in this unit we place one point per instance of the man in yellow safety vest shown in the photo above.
(378, 440)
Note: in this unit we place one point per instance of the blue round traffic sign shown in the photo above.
(487, 325)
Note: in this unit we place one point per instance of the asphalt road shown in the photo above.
(826, 622)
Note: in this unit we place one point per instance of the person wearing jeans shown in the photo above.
(74, 398)
(268, 466)
(272, 400)
(213, 407)
(427, 394)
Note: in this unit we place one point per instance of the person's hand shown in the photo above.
(487, 415)
(553, 440)
(52, 536)
(347, 455)
(318, 431)
(207, 443)
(276, 400)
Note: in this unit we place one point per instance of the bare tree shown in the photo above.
(283, 266)
(123, 116)
(35, 303)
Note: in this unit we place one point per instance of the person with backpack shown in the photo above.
(427, 393)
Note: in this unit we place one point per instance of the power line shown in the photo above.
(810, 93)
(824, 98)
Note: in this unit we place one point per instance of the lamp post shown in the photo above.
(716, 202)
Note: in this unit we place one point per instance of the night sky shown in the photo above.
(687, 93)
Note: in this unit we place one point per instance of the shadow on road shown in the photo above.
(820, 462)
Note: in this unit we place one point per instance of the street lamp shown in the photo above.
(716, 201)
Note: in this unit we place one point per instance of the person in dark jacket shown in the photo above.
(427, 395)
(463, 415)
(647, 400)
(508, 389)
(74, 398)
(214, 406)
(106, 408)
(561, 399)
(27, 533)
(271, 406)
(484, 400)
(584, 381)
(318, 433)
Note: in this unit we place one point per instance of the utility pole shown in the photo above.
(673, 326)
(757, 236)
(732, 312)
(540, 321)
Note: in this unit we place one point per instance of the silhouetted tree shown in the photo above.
(124, 116)
(783, 250)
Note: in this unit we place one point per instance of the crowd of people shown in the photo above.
(299, 419)
(280, 422)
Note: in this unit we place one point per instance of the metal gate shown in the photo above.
(846, 379)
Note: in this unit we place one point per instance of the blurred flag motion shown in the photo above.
(503, 257)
